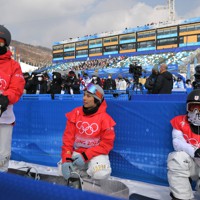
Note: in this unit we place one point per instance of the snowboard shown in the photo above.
(31, 172)
(107, 187)
(135, 196)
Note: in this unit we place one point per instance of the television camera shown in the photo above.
(136, 70)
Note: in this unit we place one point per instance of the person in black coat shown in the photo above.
(164, 82)
(55, 86)
(41, 84)
(72, 84)
(31, 84)
(151, 80)
(109, 83)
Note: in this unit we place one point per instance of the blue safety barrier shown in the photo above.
(117, 95)
(160, 97)
(143, 132)
(14, 187)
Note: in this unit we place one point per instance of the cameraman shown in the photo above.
(151, 80)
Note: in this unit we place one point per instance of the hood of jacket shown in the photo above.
(102, 107)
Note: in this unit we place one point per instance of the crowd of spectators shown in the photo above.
(176, 59)
(79, 66)
(41, 83)
(75, 83)
(71, 83)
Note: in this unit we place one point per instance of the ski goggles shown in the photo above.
(91, 88)
(191, 106)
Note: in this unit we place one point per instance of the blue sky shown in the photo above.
(42, 22)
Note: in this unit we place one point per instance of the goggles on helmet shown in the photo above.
(191, 106)
(93, 90)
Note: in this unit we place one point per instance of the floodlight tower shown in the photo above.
(171, 9)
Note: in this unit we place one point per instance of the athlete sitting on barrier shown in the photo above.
(184, 162)
(88, 137)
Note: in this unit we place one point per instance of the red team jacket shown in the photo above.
(181, 123)
(92, 134)
(11, 78)
(11, 84)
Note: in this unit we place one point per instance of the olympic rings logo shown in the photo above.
(2, 83)
(192, 141)
(85, 127)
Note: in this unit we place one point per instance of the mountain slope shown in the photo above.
(34, 55)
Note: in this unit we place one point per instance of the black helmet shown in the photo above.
(194, 96)
(5, 34)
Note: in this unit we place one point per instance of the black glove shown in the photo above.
(3, 103)
(197, 153)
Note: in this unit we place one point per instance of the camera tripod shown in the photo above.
(137, 86)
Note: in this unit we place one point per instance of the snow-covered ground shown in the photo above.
(27, 68)
(150, 190)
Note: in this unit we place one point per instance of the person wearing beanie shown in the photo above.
(71, 85)
(11, 88)
(55, 86)
(88, 137)
(41, 84)
(96, 79)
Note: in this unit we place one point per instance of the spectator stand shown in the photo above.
(173, 57)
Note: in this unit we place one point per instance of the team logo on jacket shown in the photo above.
(2, 84)
(193, 141)
(85, 127)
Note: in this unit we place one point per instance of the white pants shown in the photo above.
(181, 167)
(97, 168)
(5, 146)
